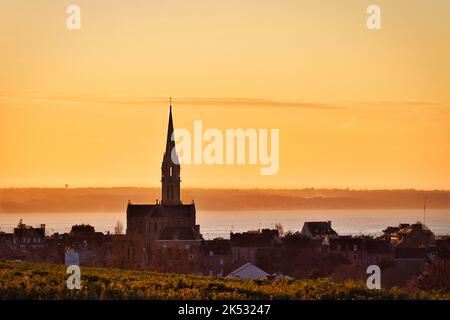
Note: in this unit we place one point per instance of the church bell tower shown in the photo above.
(170, 169)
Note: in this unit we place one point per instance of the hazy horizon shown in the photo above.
(116, 199)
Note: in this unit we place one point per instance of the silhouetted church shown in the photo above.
(169, 219)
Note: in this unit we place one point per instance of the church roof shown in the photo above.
(178, 233)
(158, 210)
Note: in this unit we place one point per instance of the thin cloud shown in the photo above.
(188, 101)
(218, 101)
(394, 103)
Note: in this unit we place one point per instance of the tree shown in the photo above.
(118, 229)
(436, 276)
(280, 229)
(21, 225)
(82, 228)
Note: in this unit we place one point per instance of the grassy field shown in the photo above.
(44, 281)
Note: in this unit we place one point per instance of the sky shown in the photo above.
(356, 108)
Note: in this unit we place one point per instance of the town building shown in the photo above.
(410, 235)
(362, 251)
(318, 230)
(251, 246)
(217, 258)
(28, 237)
(248, 271)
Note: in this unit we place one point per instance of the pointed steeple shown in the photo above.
(170, 169)
(170, 144)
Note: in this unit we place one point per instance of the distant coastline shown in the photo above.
(17, 200)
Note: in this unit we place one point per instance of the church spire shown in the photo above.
(170, 144)
(170, 169)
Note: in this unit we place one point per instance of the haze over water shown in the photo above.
(219, 223)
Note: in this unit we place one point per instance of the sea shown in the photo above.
(214, 224)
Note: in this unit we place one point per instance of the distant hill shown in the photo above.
(45, 281)
(116, 199)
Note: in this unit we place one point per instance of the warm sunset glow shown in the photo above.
(355, 108)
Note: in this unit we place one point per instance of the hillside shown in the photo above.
(44, 281)
(116, 199)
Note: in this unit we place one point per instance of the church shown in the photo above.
(167, 220)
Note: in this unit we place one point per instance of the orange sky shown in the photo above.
(355, 108)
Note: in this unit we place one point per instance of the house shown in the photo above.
(251, 245)
(6, 239)
(410, 235)
(362, 251)
(349, 247)
(7, 248)
(248, 271)
(378, 251)
(416, 236)
(91, 247)
(217, 257)
(394, 233)
(28, 237)
(121, 253)
(414, 244)
(318, 230)
(177, 250)
(412, 259)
